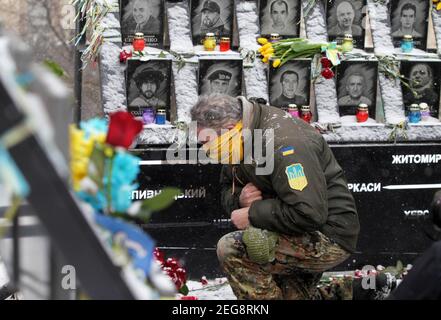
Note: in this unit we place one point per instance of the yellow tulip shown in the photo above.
(268, 51)
(265, 47)
(438, 6)
(276, 63)
(262, 41)
(265, 59)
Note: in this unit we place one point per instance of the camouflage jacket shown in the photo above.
(307, 190)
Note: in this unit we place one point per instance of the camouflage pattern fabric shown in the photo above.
(294, 274)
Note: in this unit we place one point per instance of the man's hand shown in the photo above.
(239, 218)
(249, 194)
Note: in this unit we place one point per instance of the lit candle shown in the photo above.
(293, 110)
(347, 45)
(362, 113)
(306, 114)
(407, 43)
(161, 116)
(425, 111)
(414, 113)
(224, 44)
(138, 42)
(274, 37)
(210, 42)
(148, 116)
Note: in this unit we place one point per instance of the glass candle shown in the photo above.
(148, 116)
(138, 42)
(224, 44)
(306, 114)
(407, 43)
(347, 44)
(274, 37)
(293, 111)
(414, 113)
(362, 114)
(425, 111)
(161, 116)
(210, 42)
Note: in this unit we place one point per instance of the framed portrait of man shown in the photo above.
(280, 16)
(424, 84)
(211, 16)
(357, 84)
(222, 76)
(146, 16)
(148, 85)
(346, 17)
(410, 17)
(290, 83)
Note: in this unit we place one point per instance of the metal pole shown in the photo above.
(78, 67)
(16, 251)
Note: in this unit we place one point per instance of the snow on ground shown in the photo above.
(216, 289)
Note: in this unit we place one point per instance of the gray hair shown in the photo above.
(215, 110)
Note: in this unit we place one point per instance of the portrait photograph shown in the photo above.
(211, 16)
(290, 83)
(357, 84)
(148, 85)
(424, 84)
(146, 16)
(410, 17)
(346, 17)
(279, 16)
(222, 76)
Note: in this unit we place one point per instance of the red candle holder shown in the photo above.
(138, 42)
(362, 114)
(306, 114)
(224, 44)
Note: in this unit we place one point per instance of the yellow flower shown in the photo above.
(264, 47)
(108, 151)
(262, 41)
(268, 56)
(265, 59)
(438, 6)
(276, 63)
(268, 51)
(80, 151)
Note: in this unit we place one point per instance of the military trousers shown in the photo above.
(299, 263)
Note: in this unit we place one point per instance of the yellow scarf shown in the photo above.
(227, 148)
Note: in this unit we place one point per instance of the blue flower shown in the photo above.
(94, 126)
(122, 197)
(97, 201)
(125, 168)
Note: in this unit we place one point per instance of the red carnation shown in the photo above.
(327, 73)
(326, 63)
(123, 128)
(124, 55)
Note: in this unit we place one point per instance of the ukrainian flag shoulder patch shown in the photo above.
(286, 151)
(296, 177)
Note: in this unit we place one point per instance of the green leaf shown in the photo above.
(98, 159)
(162, 54)
(161, 201)
(184, 290)
(54, 67)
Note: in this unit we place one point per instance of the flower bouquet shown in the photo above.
(281, 51)
(104, 175)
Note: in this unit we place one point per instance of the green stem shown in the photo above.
(10, 213)
(109, 186)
